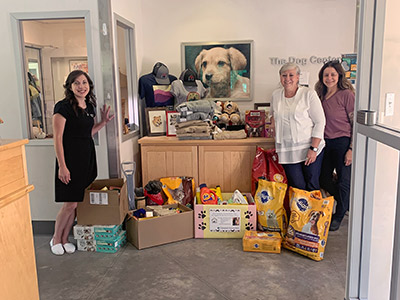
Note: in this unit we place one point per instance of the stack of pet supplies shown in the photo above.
(108, 239)
(195, 118)
(306, 230)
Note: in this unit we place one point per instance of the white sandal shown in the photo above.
(56, 249)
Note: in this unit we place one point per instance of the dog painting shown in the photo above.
(223, 68)
(312, 226)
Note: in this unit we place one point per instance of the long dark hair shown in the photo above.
(69, 95)
(343, 83)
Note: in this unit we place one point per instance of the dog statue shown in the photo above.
(219, 69)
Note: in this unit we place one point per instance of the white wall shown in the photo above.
(299, 28)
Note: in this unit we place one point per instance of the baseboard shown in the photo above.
(44, 227)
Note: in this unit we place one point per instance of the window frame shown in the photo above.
(132, 78)
(19, 46)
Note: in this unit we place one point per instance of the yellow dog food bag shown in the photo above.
(178, 190)
(271, 215)
(309, 222)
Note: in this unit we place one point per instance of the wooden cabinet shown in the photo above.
(18, 278)
(224, 162)
(164, 161)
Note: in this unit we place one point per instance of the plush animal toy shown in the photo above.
(219, 106)
(230, 113)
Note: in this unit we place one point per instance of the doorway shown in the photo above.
(373, 253)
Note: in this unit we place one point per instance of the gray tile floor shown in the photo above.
(193, 269)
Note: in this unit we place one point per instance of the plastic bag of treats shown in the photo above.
(179, 190)
(309, 222)
(271, 214)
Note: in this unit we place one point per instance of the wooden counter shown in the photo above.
(227, 163)
(18, 277)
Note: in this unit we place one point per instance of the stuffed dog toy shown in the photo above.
(230, 113)
(218, 68)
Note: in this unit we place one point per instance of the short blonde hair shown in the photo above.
(289, 66)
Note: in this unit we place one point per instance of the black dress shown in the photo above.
(79, 152)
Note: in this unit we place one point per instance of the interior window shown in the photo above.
(53, 48)
(127, 77)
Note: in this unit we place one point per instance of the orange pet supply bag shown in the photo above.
(309, 222)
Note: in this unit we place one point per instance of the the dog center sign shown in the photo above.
(302, 60)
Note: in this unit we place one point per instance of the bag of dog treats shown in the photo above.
(271, 214)
(309, 222)
(178, 190)
(266, 165)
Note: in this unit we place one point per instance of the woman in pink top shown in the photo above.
(337, 97)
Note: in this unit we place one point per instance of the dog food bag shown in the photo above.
(256, 241)
(178, 190)
(271, 214)
(309, 222)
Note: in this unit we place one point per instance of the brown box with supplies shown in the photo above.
(158, 230)
(102, 206)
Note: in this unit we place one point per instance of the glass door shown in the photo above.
(373, 253)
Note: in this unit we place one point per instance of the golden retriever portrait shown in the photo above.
(219, 68)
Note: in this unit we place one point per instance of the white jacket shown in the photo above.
(308, 119)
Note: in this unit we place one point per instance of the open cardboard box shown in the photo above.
(103, 207)
(225, 221)
(149, 232)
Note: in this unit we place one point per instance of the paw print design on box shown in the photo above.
(202, 226)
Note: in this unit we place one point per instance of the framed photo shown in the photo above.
(172, 117)
(225, 68)
(81, 64)
(262, 106)
(266, 107)
(155, 121)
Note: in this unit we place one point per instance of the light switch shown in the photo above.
(389, 104)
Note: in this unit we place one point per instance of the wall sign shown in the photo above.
(302, 61)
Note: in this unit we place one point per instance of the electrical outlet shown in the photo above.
(389, 104)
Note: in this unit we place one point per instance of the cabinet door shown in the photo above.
(227, 166)
(165, 161)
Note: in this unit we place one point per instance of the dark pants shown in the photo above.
(304, 177)
(335, 151)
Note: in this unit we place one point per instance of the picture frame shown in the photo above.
(263, 106)
(266, 107)
(234, 61)
(156, 121)
(171, 118)
(79, 64)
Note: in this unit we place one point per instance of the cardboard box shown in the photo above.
(103, 245)
(255, 241)
(149, 232)
(225, 221)
(103, 207)
(96, 232)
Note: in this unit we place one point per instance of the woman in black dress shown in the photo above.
(76, 167)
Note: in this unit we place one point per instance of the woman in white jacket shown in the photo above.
(298, 124)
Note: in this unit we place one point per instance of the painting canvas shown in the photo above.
(79, 65)
(225, 68)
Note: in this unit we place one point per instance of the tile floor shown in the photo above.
(193, 269)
